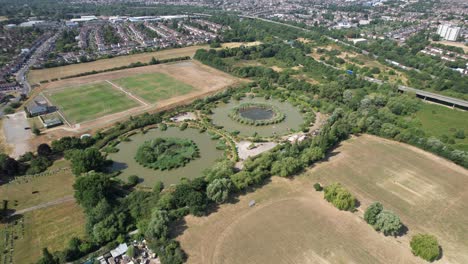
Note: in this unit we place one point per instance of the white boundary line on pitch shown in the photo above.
(59, 111)
(128, 93)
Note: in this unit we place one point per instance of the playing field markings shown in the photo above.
(58, 110)
(128, 93)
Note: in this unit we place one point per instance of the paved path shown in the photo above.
(68, 198)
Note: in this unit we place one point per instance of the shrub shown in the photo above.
(372, 212)
(425, 246)
(339, 197)
(133, 180)
(388, 222)
(318, 187)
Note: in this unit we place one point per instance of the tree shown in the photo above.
(219, 189)
(388, 222)
(36, 130)
(425, 246)
(318, 187)
(47, 258)
(221, 169)
(131, 251)
(158, 225)
(8, 165)
(44, 150)
(158, 187)
(133, 180)
(91, 188)
(153, 61)
(87, 160)
(339, 197)
(286, 167)
(372, 212)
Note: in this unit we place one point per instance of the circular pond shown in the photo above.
(292, 118)
(124, 160)
(257, 113)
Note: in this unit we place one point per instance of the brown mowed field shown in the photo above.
(35, 76)
(292, 223)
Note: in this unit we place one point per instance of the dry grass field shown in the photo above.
(41, 189)
(231, 45)
(50, 227)
(455, 44)
(36, 76)
(292, 223)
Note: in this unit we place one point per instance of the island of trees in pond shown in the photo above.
(167, 153)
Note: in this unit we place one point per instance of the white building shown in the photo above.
(448, 32)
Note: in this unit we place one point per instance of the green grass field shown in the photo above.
(90, 101)
(153, 87)
(438, 120)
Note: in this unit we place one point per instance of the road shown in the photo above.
(21, 74)
(65, 199)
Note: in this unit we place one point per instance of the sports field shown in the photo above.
(89, 101)
(292, 223)
(101, 99)
(35, 76)
(153, 87)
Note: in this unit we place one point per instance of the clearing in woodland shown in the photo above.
(153, 87)
(292, 223)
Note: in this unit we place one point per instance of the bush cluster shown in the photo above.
(166, 153)
(339, 197)
(383, 220)
(425, 246)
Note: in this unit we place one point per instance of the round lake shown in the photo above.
(292, 121)
(125, 159)
(257, 113)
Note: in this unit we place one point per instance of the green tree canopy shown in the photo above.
(219, 189)
(388, 222)
(425, 246)
(372, 212)
(86, 160)
(158, 225)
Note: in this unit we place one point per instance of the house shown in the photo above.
(36, 110)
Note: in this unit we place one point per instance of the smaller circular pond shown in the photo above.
(256, 113)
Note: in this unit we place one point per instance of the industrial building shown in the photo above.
(448, 32)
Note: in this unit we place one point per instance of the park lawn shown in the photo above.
(154, 87)
(439, 120)
(292, 223)
(50, 227)
(90, 101)
(46, 188)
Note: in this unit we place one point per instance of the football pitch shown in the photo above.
(153, 87)
(90, 101)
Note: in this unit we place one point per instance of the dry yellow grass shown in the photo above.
(4, 147)
(36, 76)
(40, 189)
(50, 227)
(238, 44)
(455, 44)
(292, 223)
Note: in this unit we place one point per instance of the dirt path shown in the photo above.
(67, 198)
